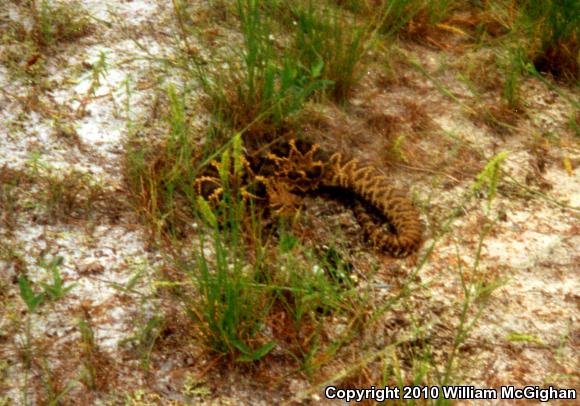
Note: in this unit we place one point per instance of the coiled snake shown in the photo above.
(294, 167)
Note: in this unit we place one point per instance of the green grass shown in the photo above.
(90, 373)
(34, 299)
(260, 86)
(245, 280)
(513, 71)
(56, 21)
(403, 17)
(232, 304)
(554, 29)
(261, 83)
(244, 283)
(541, 37)
(256, 294)
(330, 44)
(54, 389)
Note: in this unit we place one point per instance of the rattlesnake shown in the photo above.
(294, 167)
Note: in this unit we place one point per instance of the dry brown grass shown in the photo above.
(26, 49)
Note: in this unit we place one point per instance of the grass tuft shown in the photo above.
(53, 22)
(554, 28)
(330, 44)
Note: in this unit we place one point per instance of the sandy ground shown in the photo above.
(529, 335)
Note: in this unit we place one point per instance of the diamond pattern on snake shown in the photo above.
(284, 172)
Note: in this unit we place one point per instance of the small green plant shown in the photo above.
(308, 292)
(193, 387)
(513, 71)
(55, 389)
(71, 194)
(240, 287)
(89, 353)
(523, 337)
(397, 148)
(12, 185)
(30, 298)
(62, 195)
(477, 293)
(145, 339)
(55, 290)
(35, 163)
(159, 176)
(574, 123)
(98, 73)
(232, 305)
(330, 44)
(490, 176)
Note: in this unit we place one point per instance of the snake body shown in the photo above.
(294, 167)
